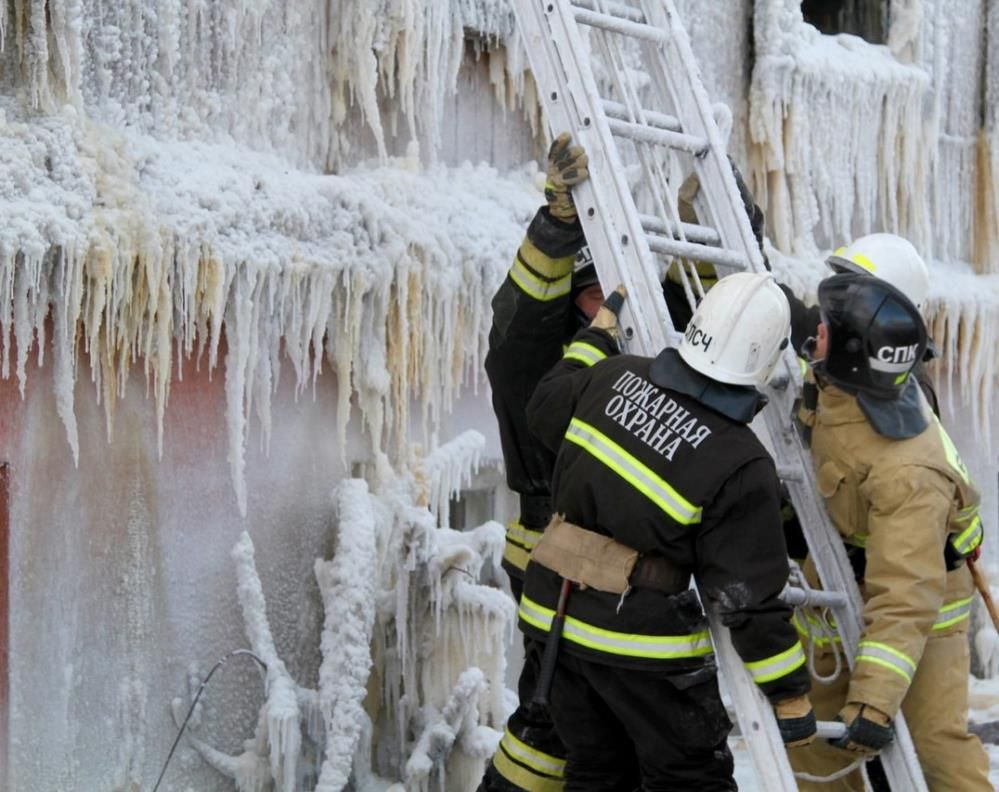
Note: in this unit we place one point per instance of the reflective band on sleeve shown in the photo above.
(966, 541)
(884, 655)
(536, 760)
(953, 458)
(516, 556)
(952, 613)
(522, 778)
(640, 476)
(587, 353)
(779, 665)
(653, 647)
(525, 537)
(857, 540)
(537, 287)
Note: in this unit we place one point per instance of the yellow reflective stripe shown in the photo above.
(803, 366)
(966, 541)
(884, 655)
(654, 647)
(522, 778)
(536, 287)
(817, 634)
(779, 665)
(863, 261)
(640, 476)
(587, 353)
(967, 513)
(857, 539)
(525, 537)
(950, 450)
(516, 556)
(536, 760)
(952, 613)
(544, 265)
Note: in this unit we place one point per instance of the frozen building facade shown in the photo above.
(245, 270)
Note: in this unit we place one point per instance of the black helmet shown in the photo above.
(584, 273)
(876, 335)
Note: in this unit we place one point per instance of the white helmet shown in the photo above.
(889, 257)
(738, 331)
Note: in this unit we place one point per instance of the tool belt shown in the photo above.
(598, 561)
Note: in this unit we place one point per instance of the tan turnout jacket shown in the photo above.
(899, 499)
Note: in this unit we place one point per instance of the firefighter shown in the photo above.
(550, 292)
(899, 494)
(659, 478)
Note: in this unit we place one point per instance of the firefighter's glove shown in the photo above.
(566, 168)
(868, 729)
(955, 559)
(796, 721)
(606, 318)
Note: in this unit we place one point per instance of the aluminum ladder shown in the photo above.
(659, 114)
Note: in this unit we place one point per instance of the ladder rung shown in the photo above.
(617, 9)
(661, 137)
(792, 595)
(829, 730)
(789, 473)
(693, 232)
(617, 24)
(652, 118)
(696, 252)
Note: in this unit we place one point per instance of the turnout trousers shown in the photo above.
(936, 712)
(530, 756)
(675, 725)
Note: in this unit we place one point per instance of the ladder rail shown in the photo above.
(614, 236)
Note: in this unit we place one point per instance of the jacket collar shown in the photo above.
(897, 419)
(738, 402)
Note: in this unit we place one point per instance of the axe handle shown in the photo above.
(550, 657)
(982, 584)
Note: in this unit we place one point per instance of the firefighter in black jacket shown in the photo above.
(658, 478)
(546, 297)
(551, 291)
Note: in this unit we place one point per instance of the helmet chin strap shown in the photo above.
(808, 349)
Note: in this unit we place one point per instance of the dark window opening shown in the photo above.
(865, 18)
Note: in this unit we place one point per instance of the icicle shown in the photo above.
(449, 466)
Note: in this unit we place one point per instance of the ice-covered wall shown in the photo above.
(282, 76)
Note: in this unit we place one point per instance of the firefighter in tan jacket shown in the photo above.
(896, 488)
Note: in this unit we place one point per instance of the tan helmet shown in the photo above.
(738, 331)
(889, 257)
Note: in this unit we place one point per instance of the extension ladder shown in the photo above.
(666, 124)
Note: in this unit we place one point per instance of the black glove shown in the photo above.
(868, 729)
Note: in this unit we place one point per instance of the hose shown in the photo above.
(190, 710)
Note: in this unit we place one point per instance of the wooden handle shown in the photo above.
(982, 584)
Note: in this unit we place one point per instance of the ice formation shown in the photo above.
(839, 139)
(202, 250)
(181, 69)
(406, 596)
(849, 137)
